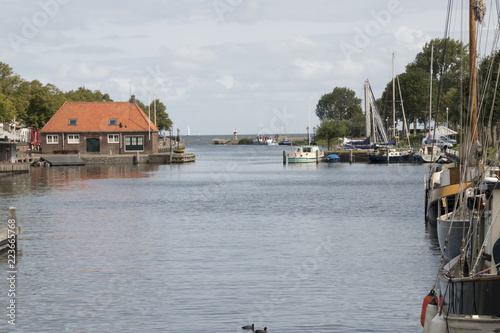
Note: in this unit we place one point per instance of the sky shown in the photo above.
(219, 65)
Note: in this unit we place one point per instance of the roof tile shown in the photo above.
(94, 117)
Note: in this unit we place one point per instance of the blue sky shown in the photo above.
(218, 65)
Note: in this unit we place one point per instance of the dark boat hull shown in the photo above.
(392, 159)
(469, 296)
(455, 236)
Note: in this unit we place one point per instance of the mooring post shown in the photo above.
(13, 221)
(317, 156)
(284, 157)
(350, 156)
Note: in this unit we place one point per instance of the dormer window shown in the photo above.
(72, 122)
(112, 122)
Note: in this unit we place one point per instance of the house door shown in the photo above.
(93, 145)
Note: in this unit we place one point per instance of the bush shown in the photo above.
(245, 141)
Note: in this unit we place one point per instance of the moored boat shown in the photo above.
(265, 141)
(429, 154)
(389, 155)
(332, 158)
(469, 284)
(305, 154)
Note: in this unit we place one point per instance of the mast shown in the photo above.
(368, 120)
(393, 100)
(430, 92)
(472, 70)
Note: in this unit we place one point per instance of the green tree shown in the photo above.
(9, 83)
(337, 104)
(488, 72)
(42, 103)
(415, 87)
(83, 94)
(330, 129)
(356, 122)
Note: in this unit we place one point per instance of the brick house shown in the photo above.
(99, 128)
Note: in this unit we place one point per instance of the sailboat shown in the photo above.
(389, 153)
(468, 286)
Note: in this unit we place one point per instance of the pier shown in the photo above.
(7, 169)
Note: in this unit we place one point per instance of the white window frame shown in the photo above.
(52, 139)
(113, 138)
(73, 138)
(135, 139)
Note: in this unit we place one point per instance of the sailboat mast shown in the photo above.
(430, 92)
(472, 69)
(393, 100)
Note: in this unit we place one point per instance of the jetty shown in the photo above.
(7, 169)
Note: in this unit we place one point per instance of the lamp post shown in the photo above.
(308, 136)
(447, 126)
(314, 134)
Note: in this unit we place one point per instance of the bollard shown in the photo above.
(284, 157)
(12, 217)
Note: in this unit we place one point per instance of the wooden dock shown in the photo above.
(8, 235)
(167, 158)
(7, 169)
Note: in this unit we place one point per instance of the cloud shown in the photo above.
(412, 39)
(312, 69)
(81, 71)
(227, 81)
(191, 58)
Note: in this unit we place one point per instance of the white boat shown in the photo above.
(429, 153)
(306, 154)
(262, 139)
(265, 140)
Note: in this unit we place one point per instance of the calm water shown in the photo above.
(232, 239)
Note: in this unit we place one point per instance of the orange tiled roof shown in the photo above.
(95, 116)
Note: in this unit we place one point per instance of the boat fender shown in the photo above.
(438, 324)
(427, 300)
(430, 313)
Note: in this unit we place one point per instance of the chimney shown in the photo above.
(132, 99)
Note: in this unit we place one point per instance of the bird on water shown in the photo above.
(248, 327)
(262, 331)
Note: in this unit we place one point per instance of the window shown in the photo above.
(52, 139)
(112, 122)
(113, 138)
(72, 122)
(134, 143)
(73, 138)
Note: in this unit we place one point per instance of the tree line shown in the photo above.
(340, 110)
(32, 103)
